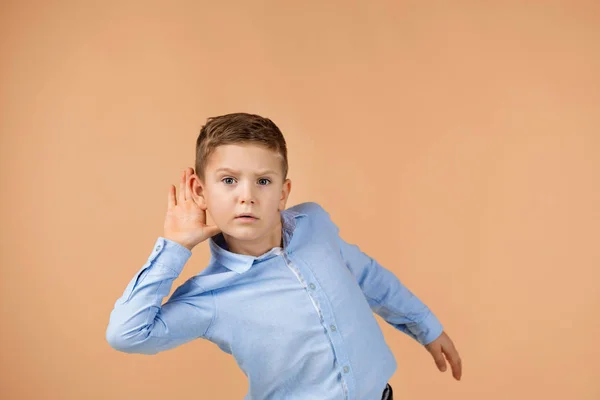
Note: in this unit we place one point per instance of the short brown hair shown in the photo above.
(238, 128)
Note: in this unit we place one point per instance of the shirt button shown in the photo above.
(312, 286)
(158, 247)
(333, 328)
(346, 369)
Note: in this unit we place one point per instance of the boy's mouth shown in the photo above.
(245, 216)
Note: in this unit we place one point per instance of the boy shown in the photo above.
(283, 292)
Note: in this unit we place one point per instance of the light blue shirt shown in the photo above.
(298, 320)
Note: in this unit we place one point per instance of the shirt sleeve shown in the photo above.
(386, 294)
(139, 323)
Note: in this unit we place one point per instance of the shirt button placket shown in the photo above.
(333, 328)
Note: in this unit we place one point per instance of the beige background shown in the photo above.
(458, 144)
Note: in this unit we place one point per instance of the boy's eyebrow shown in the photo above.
(267, 171)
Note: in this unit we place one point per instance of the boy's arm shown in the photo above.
(387, 296)
(139, 324)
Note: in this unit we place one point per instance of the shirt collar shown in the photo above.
(242, 262)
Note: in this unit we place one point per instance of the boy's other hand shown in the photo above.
(185, 222)
(443, 346)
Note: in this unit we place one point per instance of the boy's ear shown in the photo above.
(285, 193)
(198, 188)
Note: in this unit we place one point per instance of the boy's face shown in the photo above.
(244, 178)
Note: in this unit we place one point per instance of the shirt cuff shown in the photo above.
(428, 329)
(169, 254)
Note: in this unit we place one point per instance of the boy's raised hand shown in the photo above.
(443, 346)
(185, 222)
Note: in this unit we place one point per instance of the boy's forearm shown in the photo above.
(388, 297)
(132, 319)
(400, 307)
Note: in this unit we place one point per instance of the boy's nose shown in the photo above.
(246, 195)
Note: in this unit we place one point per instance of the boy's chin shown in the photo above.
(246, 234)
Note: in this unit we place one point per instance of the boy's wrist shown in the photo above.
(187, 246)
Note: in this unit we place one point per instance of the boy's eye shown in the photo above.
(229, 180)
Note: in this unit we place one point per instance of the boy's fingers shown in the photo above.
(171, 202)
(182, 188)
(188, 189)
(439, 359)
(455, 362)
(458, 373)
